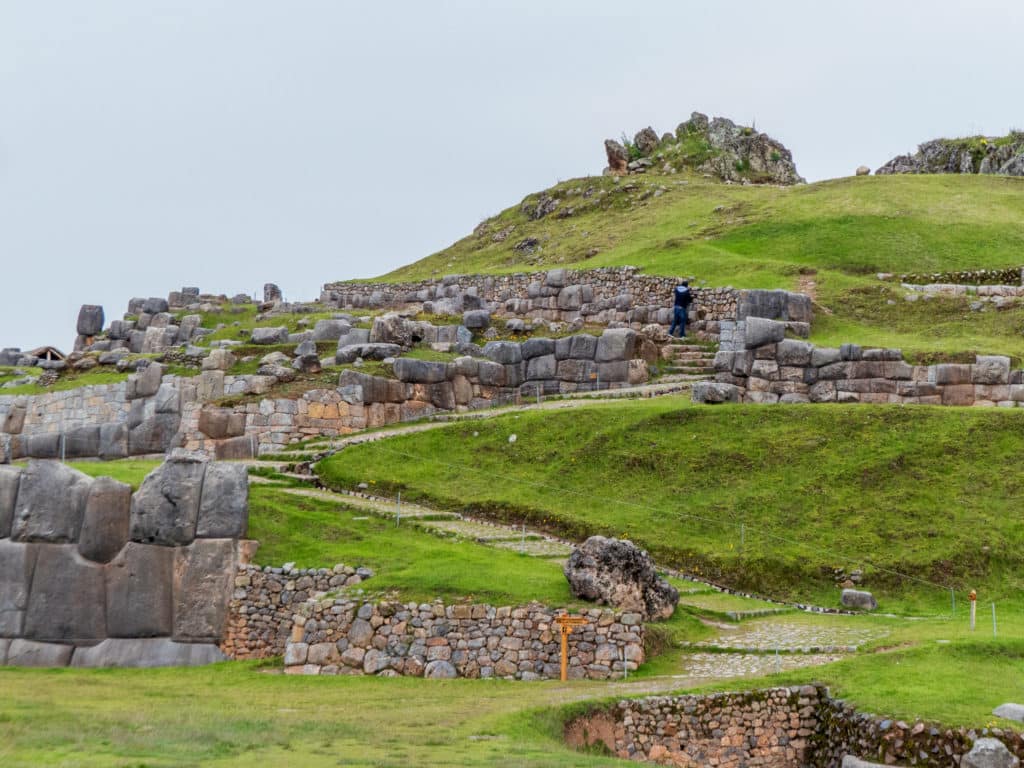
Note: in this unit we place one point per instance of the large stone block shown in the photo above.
(29, 653)
(330, 329)
(146, 382)
(578, 371)
(166, 506)
(714, 392)
(760, 331)
(204, 575)
(270, 335)
(855, 598)
(146, 652)
(543, 367)
(616, 344)
(235, 448)
(138, 599)
(989, 753)
(14, 421)
(794, 353)
(10, 477)
(504, 352)
(105, 521)
(17, 561)
(209, 386)
(83, 442)
(113, 441)
(154, 435)
(951, 373)
(579, 347)
(537, 347)
(991, 369)
(224, 504)
(420, 371)
(43, 446)
(90, 320)
(67, 601)
(51, 503)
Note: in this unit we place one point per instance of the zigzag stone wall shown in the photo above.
(94, 575)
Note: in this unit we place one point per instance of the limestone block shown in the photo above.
(67, 599)
(537, 347)
(579, 347)
(166, 506)
(855, 598)
(822, 356)
(29, 653)
(10, 477)
(991, 369)
(951, 373)
(82, 442)
(14, 421)
(989, 753)
(792, 353)
(958, 394)
(154, 435)
(714, 392)
(616, 344)
(504, 352)
(146, 652)
(51, 503)
(90, 320)
(209, 386)
(420, 371)
(105, 520)
(543, 367)
(113, 441)
(43, 446)
(277, 335)
(219, 360)
(224, 504)
(139, 591)
(234, 448)
(17, 562)
(613, 372)
(145, 383)
(204, 574)
(760, 331)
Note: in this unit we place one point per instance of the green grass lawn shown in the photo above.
(131, 471)
(841, 231)
(931, 493)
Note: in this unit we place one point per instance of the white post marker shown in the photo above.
(973, 596)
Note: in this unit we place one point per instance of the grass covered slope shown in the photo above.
(841, 231)
(928, 492)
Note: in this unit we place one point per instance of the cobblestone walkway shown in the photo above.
(727, 665)
(794, 638)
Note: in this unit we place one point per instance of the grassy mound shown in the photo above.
(836, 233)
(771, 499)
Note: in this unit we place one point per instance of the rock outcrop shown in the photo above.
(616, 572)
(718, 147)
(1002, 155)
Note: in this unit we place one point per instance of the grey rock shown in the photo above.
(154, 435)
(307, 347)
(856, 598)
(204, 573)
(17, 562)
(420, 371)
(616, 344)
(544, 367)
(991, 369)
(105, 521)
(504, 352)
(146, 652)
(476, 319)
(760, 331)
(330, 329)
(714, 392)
(224, 504)
(219, 360)
(537, 347)
(618, 573)
(166, 506)
(146, 382)
(1010, 712)
(51, 503)
(360, 634)
(277, 335)
(90, 320)
(850, 352)
(391, 329)
(822, 356)
(989, 753)
(794, 353)
(139, 591)
(354, 336)
(10, 477)
(440, 670)
(29, 653)
(271, 294)
(351, 352)
(155, 305)
(67, 601)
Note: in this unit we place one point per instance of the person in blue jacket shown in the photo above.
(682, 306)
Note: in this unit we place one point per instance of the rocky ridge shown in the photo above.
(1000, 155)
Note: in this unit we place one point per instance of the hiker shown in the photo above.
(683, 299)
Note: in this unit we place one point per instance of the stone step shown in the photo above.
(693, 370)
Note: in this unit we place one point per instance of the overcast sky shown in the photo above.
(149, 144)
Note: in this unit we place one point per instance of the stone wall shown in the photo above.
(347, 636)
(94, 575)
(756, 363)
(264, 601)
(1012, 276)
(771, 728)
(799, 727)
(605, 295)
(110, 421)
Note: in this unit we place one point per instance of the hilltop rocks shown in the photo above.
(732, 153)
(618, 573)
(990, 155)
(90, 320)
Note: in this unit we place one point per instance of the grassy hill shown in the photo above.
(836, 234)
(923, 499)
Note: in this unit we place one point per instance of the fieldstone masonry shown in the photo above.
(93, 575)
(345, 636)
(799, 727)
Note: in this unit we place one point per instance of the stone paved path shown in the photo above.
(794, 638)
(727, 665)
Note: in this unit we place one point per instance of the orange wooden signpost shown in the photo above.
(565, 624)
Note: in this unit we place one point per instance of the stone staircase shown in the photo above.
(689, 362)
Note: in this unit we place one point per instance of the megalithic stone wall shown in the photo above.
(94, 575)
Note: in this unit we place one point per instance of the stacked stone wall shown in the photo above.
(798, 727)
(264, 602)
(1011, 276)
(756, 363)
(94, 575)
(350, 637)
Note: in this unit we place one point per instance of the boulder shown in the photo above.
(51, 503)
(420, 371)
(350, 352)
(146, 652)
(354, 336)
(862, 170)
(989, 753)
(618, 158)
(440, 670)
(616, 572)
(146, 382)
(616, 344)
(90, 320)
(579, 347)
(219, 360)
(271, 294)
(537, 347)
(760, 331)
(17, 562)
(991, 369)
(166, 506)
(204, 573)
(155, 305)
(1010, 712)
(330, 329)
(10, 477)
(504, 352)
(277, 335)
(139, 591)
(154, 435)
(859, 599)
(391, 329)
(67, 601)
(105, 522)
(714, 392)
(29, 653)
(476, 319)
(224, 504)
